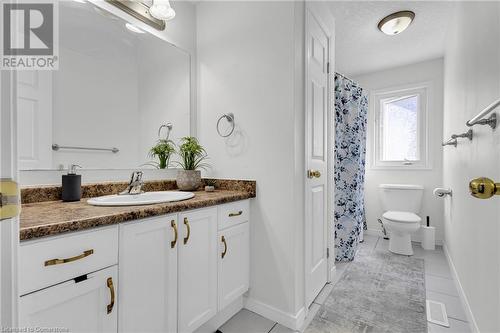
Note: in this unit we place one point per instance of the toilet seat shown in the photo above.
(403, 217)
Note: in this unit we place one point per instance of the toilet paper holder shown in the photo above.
(442, 192)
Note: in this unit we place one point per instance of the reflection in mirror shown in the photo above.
(114, 89)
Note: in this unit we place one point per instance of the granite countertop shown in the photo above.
(47, 218)
(56, 217)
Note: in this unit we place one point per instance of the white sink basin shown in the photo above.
(147, 198)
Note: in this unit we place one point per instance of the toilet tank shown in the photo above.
(401, 197)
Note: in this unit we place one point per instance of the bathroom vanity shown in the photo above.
(167, 267)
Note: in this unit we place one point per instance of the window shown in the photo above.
(400, 129)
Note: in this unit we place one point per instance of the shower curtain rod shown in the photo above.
(345, 77)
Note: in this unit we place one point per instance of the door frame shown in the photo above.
(327, 23)
(9, 228)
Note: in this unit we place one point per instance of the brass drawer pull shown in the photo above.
(235, 214)
(52, 262)
(186, 223)
(223, 239)
(176, 234)
(112, 294)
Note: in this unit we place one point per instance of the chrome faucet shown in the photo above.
(135, 185)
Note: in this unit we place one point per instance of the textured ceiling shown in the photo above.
(361, 48)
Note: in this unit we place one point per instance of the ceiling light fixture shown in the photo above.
(396, 22)
(161, 10)
(134, 28)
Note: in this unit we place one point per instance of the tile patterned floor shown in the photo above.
(439, 287)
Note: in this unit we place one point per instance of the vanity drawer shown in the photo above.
(48, 261)
(233, 213)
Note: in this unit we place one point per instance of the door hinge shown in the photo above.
(9, 199)
(327, 252)
(328, 67)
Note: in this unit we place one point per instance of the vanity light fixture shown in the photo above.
(161, 10)
(396, 22)
(134, 28)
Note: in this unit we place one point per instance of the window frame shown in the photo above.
(377, 97)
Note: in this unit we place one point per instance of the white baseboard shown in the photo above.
(333, 273)
(414, 238)
(229, 311)
(292, 321)
(461, 293)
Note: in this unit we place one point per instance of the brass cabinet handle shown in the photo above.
(484, 188)
(235, 214)
(313, 174)
(112, 293)
(176, 234)
(223, 239)
(186, 223)
(52, 262)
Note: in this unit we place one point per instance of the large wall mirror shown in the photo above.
(115, 87)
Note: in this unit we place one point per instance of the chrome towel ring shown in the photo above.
(168, 126)
(230, 118)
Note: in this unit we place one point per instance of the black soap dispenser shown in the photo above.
(72, 184)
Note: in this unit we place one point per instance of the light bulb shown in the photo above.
(161, 10)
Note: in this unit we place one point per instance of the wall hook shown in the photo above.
(467, 135)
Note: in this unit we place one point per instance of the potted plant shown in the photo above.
(162, 150)
(192, 157)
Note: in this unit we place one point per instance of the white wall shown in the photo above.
(472, 226)
(431, 72)
(247, 59)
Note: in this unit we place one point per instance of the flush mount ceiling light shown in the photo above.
(161, 10)
(396, 22)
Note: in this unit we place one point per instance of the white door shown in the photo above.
(34, 119)
(234, 263)
(197, 268)
(148, 275)
(316, 230)
(9, 222)
(89, 305)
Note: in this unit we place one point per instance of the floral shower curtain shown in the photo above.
(351, 108)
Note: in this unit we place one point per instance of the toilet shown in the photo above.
(401, 203)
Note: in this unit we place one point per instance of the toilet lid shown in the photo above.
(401, 216)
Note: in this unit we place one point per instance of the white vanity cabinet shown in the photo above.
(175, 272)
(70, 281)
(148, 275)
(87, 305)
(197, 268)
(234, 263)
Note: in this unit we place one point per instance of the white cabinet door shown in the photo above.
(234, 262)
(197, 268)
(79, 305)
(148, 267)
